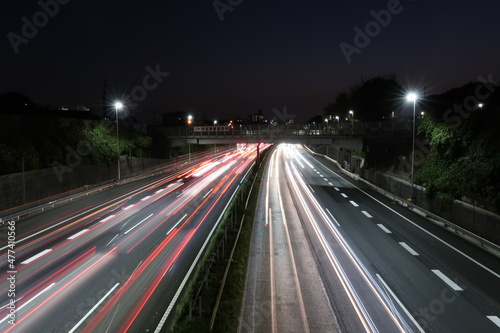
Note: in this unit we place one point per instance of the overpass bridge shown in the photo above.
(309, 134)
(343, 142)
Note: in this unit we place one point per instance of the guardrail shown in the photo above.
(38, 206)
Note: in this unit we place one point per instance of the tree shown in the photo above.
(372, 100)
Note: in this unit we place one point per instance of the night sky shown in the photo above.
(262, 55)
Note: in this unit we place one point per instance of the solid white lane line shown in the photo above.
(36, 257)
(78, 234)
(310, 187)
(366, 214)
(408, 248)
(177, 223)
(336, 188)
(93, 308)
(107, 218)
(420, 329)
(344, 195)
(387, 231)
(332, 216)
(447, 280)
(129, 230)
(495, 320)
(353, 203)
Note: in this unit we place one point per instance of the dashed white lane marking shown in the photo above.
(107, 218)
(93, 308)
(366, 213)
(35, 257)
(329, 183)
(325, 179)
(447, 280)
(344, 195)
(129, 230)
(128, 207)
(310, 187)
(28, 302)
(495, 320)
(78, 234)
(336, 189)
(146, 198)
(353, 203)
(387, 231)
(177, 224)
(408, 248)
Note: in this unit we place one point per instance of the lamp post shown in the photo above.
(189, 122)
(326, 121)
(118, 105)
(352, 121)
(412, 97)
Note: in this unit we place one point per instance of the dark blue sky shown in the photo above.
(264, 54)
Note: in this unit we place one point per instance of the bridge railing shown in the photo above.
(294, 129)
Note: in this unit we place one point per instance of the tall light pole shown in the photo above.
(412, 97)
(352, 121)
(118, 105)
(189, 122)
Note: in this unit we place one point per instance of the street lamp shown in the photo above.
(412, 97)
(118, 106)
(352, 121)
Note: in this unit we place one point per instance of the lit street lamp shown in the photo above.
(352, 121)
(190, 121)
(412, 97)
(118, 106)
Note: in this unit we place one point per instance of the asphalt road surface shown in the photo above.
(115, 261)
(329, 254)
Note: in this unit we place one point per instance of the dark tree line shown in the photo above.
(460, 131)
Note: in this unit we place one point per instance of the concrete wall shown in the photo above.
(18, 189)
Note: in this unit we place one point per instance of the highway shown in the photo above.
(330, 254)
(116, 260)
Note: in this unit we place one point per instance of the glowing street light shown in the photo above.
(118, 106)
(190, 120)
(412, 97)
(352, 121)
